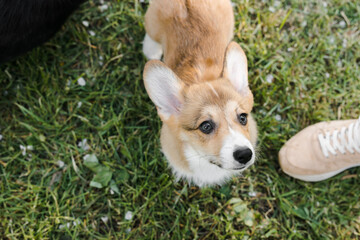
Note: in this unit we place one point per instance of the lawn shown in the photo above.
(80, 98)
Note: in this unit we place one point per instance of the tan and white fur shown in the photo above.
(201, 90)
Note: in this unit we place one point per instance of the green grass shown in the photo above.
(311, 50)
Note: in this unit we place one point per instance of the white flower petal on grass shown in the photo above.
(252, 194)
(128, 230)
(303, 24)
(81, 81)
(111, 192)
(327, 75)
(272, 9)
(269, 78)
(331, 39)
(278, 117)
(105, 219)
(83, 145)
(67, 225)
(76, 222)
(79, 104)
(103, 7)
(85, 23)
(60, 163)
(128, 215)
(23, 150)
(339, 64)
(101, 58)
(30, 148)
(92, 33)
(342, 24)
(1, 137)
(86, 156)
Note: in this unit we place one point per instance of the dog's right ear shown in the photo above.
(163, 87)
(236, 68)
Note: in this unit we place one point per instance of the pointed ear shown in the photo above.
(235, 68)
(163, 87)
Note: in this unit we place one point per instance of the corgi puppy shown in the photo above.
(201, 90)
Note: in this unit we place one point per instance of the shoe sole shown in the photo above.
(320, 177)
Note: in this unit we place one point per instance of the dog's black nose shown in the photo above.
(243, 155)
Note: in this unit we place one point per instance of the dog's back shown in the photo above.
(193, 33)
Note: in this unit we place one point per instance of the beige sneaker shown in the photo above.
(322, 150)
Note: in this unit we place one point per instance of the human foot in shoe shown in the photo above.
(322, 150)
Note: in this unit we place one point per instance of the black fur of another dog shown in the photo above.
(25, 24)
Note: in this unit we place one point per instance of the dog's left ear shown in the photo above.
(236, 68)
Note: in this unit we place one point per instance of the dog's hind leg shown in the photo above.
(151, 48)
(152, 44)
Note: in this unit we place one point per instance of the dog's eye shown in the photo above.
(207, 127)
(242, 119)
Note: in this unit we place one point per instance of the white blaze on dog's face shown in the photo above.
(208, 134)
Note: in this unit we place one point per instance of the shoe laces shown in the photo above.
(347, 139)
